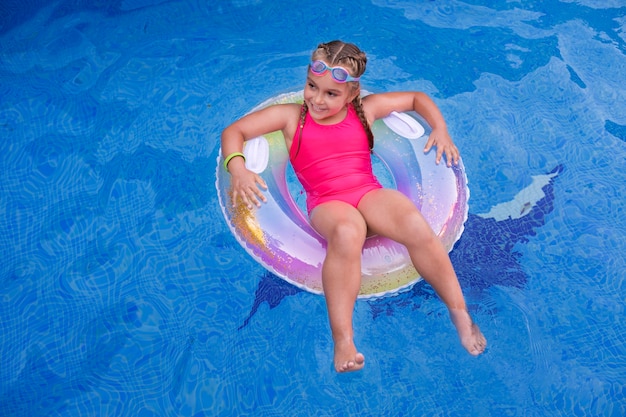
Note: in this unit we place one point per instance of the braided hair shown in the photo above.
(349, 56)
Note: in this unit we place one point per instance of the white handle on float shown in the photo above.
(404, 125)
(257, 154)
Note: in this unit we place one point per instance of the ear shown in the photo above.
(356, 91)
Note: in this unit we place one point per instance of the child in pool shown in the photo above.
(330, 141)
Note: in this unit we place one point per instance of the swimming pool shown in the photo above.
(124, 293)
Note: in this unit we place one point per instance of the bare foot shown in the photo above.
(347, 359)
(471, 337)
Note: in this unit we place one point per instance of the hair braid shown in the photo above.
(358, 107)
(303, 111)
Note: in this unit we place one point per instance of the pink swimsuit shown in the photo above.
(334, 161)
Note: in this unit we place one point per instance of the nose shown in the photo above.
(318, 98)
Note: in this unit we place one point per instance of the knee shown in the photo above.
(348, 236)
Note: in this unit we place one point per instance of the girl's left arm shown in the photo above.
(377, 106)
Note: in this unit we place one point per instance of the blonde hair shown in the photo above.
(349, 56)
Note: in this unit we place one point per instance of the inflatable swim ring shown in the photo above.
(278, 234)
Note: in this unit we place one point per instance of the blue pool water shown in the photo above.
(122, 291)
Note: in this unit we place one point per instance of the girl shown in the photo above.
(330, 141)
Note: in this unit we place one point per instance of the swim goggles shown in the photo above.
(339, 74)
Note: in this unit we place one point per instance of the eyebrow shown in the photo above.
(337, 91)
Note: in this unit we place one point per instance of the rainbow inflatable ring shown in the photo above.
(278, 234)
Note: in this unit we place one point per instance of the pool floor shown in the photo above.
(124, 293)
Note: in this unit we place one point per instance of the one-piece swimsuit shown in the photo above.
(333, 162)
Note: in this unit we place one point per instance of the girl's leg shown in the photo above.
(389, 213)
(345, 230)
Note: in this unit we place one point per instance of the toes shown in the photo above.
(346, 366)
(351, 365)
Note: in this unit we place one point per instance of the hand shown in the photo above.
(245, 185)
(442, 141)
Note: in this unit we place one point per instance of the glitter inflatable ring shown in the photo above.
(278, 234)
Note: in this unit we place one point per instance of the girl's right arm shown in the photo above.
(245, 183)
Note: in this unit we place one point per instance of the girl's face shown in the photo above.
(326, 98)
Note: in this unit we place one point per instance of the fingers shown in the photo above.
(262, 183)
(250, 197)
(251, 194)
(258, 195)
(439, 154)
(448, 149)
(247, 198)
(452, 155)
(429, 144)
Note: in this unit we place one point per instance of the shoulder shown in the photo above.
(283, 117)
(289, 113)
(270, 118)
(280, 111)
